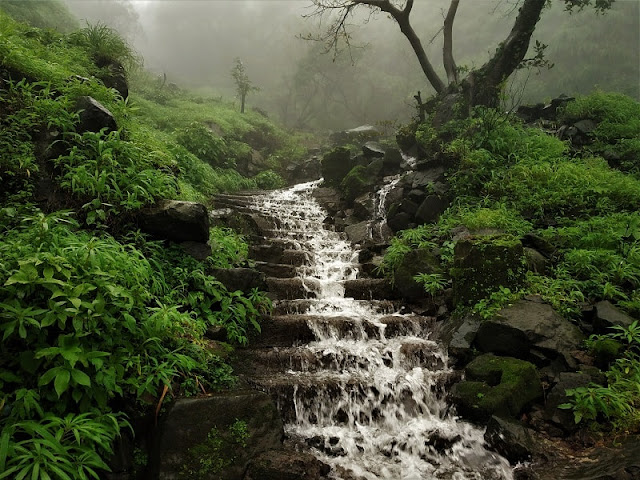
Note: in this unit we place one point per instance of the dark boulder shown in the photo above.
(512, 439)
(358, 233)
(94, 116)
(113, 75)
(496, 386)
(243, 279)
(608, 316)
(359, 180)
(564, 418)
(335, 166)
(391, 161)
(533, 331)
(304, 171)
(199, 251)
(431, 208)
(176, 220)
(217, 436)
(287, 465)
(421, 260)
(373, 150)
(457, 335)
(482, 264)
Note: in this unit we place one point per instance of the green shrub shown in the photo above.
(201, 142)
(269, 180)
(105, 45)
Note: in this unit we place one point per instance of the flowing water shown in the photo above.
(369, 394)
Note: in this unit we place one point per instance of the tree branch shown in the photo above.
(447, 50)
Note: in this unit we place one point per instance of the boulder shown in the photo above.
(355, 135)
(373, 150)
(512, 439)
(398, 220)
(421, 260)
(431, 208)
(608, 316)
(482, 264)
(359, 180)
(391, 161)
(533, 331)
(113, 75)
(457, 335)
(358, 233)
(243, 279)
(287, 465)
(305, 171)
(199, 251)
(217, 436)
(536, 262)
(563, 418)
(496, 386)
(335, 166)
(176, 220)
(94, 116)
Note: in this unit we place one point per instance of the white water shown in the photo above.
(371, 404)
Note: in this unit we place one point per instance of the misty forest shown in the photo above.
(319, 239)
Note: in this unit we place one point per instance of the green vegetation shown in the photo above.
(95, 315)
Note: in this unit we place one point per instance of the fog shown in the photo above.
(194, 42)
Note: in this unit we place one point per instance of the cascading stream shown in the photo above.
(368, 394)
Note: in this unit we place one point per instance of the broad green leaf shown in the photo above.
(80, 377)
(61, 382)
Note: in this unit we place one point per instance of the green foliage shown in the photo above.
(105, 46)
(201, 141)
(66, 448)
(488, 307)
(433, 283)
(229, 248)
(41, 13)
(269, 180)
(242, 81)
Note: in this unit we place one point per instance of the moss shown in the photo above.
(358, 181)
(497, 385)
(483, 264)
(605, 351)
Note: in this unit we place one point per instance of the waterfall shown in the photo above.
(369, 393)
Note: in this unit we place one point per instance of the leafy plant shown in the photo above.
(433, 283)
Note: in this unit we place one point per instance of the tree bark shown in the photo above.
(243, 97)
(483, 86)
(447, 50)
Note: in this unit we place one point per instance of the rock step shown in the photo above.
(321, 393)
(277, 254)
(288, 330)
(301, 306)
(277, 270)
(289, 288)
(359, 289)
(412, 353)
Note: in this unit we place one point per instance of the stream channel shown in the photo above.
(368, 394)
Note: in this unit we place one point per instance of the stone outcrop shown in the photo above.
(94, 116)
(335, 166)
(607, 316)
(496, 386)
(176, 220)
(217, 436)
(532, 331)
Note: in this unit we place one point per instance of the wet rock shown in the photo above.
(531, 331)
(355, 135)
(335, 166)
(483, 264)
(289, 288)
(538, 243)
(585, 126)
(289, 465)
(607, 316)
(557, 396)
(536, 262)
(496, 386)
(391, 161)
(372, 150)
(457, 335)
(243, 279)
(199, 432)
(421, 260)
(176, 220)
(94, 116)
(358, 181)
(431, 208)
(113, 75)
(368, 289)
(398, 220)
(358, 233)
(511, 439)
(363, 206)
(305, 171)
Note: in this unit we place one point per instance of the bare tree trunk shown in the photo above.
(447, 50)
(242, 99)
(483, 86)
(402, 17)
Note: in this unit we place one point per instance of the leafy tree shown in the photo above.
(243, 84)
(482, 85)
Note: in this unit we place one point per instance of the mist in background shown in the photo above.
(194, 42)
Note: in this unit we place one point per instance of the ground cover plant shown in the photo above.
(513, 179)
(99, 322)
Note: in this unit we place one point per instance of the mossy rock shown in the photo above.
(335, 166)
(356, 182)
(605, 351)
(421, 260)
(482, 264)
(496, 386)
